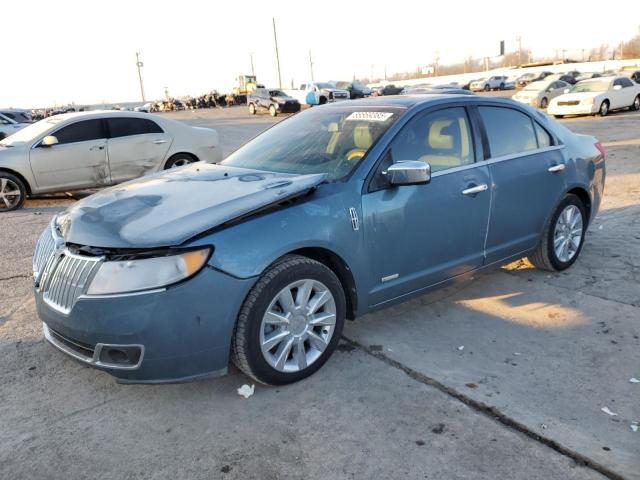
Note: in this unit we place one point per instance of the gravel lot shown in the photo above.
(543, 353)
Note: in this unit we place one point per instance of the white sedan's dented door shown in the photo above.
(136, 147)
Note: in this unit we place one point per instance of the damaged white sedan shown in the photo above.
(83, 150)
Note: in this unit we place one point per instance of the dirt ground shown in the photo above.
(543, 353)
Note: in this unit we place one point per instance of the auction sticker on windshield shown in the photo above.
(370, 116)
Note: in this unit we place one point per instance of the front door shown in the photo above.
(136, 146)
(421, 235)
(527, 169)
(79, 160)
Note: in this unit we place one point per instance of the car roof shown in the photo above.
(103, 114)
(416, 100)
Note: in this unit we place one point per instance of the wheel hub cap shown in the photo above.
(9, 193)
(298, 325)
(568, 233)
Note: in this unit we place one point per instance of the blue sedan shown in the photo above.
(330, 214)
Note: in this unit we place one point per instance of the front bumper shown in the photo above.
(181, 333)
(579, 109)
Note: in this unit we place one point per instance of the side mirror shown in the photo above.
(617, 87)
(49, 141)
(409, 172)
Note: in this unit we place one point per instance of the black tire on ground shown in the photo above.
(180, 160)
(246, 352)
(2, 135)
(272, 110)
(603, 111)
(544, 103)
(322, 100)
(636, 103)
(487, 87)
(8, 183)
(559, 116)
(502, 86)
(544, 257)
(252, 109)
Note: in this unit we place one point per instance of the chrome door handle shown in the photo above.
(96, 147)
(556, 168)
(158, 142)
(476, 189)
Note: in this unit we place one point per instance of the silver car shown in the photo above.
(76, 151)
(540, 93)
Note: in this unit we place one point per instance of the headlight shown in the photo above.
(587, 101)
(146, 273)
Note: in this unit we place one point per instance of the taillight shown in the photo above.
(600, 148)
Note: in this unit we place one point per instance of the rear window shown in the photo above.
(124, 127)
(509, 131)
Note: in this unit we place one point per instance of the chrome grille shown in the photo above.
(568, 103)
(44, 249)
(60, 275)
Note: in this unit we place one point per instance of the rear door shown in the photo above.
(136, 146)
(79, 160)
(527, 169)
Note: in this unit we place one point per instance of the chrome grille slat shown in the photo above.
(60, 275)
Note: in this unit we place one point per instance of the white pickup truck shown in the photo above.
(318, 93)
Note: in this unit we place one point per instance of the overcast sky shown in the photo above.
(84, 51)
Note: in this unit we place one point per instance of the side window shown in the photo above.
(303, 86)
(625, 82)
(124, 127)
(509, 131)
(442, 139)
(617, 81)
(544, 139)
(80, 132)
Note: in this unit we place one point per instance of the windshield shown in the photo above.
(32, 131)
(596, 86)
(277, 93)
(537, 86)
(528, 75)
(324, 140)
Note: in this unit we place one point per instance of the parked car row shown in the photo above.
(596, 95)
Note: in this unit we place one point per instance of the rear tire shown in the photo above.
(180, 160)
(502, 86)
(546, 257)
(636, 103)
(13, 192)
(487, 88)
(252, 109)
(252, 350)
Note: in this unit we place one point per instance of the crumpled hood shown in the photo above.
(168, 208)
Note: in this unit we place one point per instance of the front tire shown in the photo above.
(290, 323)
(13, 192)
(563, 237)
(544, 103)
(604, 108)
(636, 103)
(252, 109)
(272, 110)
(487, 88)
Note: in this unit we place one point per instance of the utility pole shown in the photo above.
(139, 64)
(385, 72)
(253, 71)
(311, 66)
(519, 38)
(275, 38)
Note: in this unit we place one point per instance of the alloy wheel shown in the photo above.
(9, 194)
(181, 162)
(298, 325)
(567, 235)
